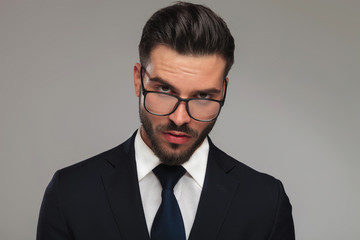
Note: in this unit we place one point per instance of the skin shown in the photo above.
(175, 137)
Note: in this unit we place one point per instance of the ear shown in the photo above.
(137, 79)
(227, 84)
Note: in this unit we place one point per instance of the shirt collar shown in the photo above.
(146, 160)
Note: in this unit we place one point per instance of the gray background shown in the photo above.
(292, 110)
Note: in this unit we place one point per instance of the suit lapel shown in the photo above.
(218, 191)
(122, 188)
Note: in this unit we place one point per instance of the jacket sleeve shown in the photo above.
(52, 224)
(283, 227)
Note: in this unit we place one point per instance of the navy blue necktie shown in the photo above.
(168, 223)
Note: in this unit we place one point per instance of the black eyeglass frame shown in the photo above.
(186, 100)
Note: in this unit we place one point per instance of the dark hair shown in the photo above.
(189, 29)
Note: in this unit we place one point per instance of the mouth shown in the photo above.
(176, 137)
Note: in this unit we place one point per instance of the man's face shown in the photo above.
(175, 137)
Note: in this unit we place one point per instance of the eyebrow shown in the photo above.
(164, 82)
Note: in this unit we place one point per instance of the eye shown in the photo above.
(203, 95)
(163, 88)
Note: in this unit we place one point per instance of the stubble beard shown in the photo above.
(165, 156)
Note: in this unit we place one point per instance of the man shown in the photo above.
(168, 181)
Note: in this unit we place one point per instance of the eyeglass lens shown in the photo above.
(164, 104)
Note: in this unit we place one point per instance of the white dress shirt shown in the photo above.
(187, 191)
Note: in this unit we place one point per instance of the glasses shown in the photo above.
(163, 104)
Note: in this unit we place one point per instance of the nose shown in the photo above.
(180, 116)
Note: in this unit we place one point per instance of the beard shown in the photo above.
(171, 157)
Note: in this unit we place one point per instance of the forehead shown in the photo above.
(186, 70)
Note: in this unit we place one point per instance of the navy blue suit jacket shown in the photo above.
(99, 199)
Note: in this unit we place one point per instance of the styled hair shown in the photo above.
(189, 29)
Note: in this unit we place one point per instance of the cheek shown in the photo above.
(153, 119)
(197, 126)
(204, 129)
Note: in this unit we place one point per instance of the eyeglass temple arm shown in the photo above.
(223, 100)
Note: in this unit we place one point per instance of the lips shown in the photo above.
(176, 137)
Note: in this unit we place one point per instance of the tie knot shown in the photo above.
(168, 175)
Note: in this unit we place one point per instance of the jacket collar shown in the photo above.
(122, 189)
(216, 197)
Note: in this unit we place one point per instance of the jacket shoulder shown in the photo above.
(241, 171)
(101, 162)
